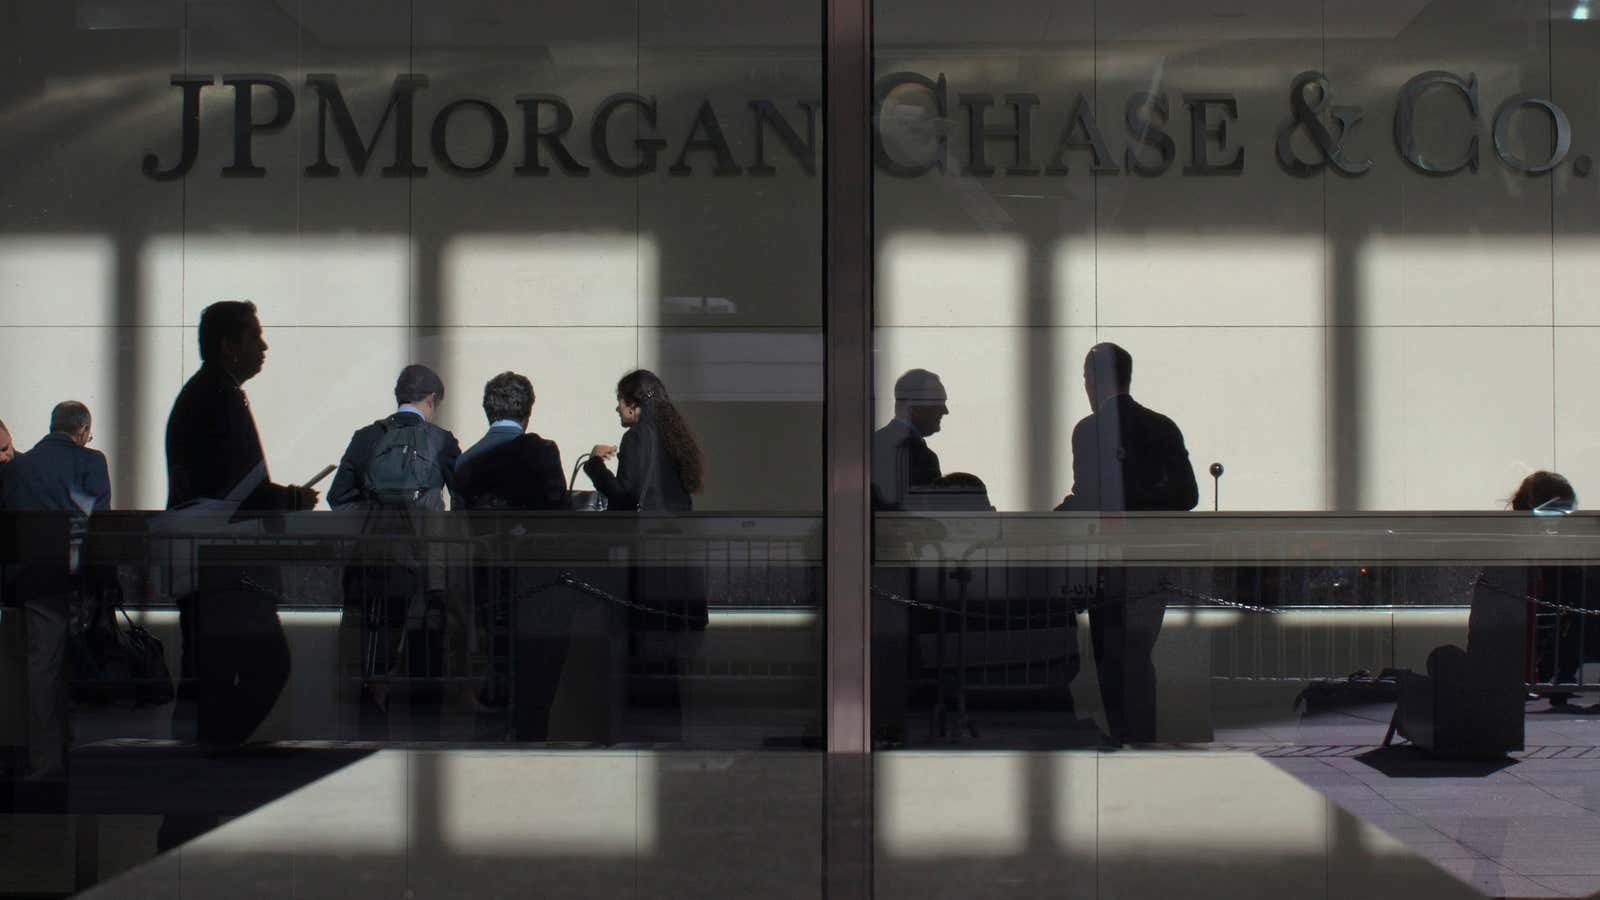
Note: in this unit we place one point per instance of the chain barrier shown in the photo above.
(565, 579)
(1191, 594)
(1480, 581)
(1169, 587)
(1027, 619)
(569, 580)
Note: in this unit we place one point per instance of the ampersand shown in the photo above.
(1307, 115)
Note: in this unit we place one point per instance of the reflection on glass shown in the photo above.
(423, 243)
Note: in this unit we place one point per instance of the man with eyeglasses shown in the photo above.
(61, 475)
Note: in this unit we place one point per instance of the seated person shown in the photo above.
(962, 491)
(1496, 650)
(1472, 702)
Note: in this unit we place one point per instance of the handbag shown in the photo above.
(110, 664)
(583, 501)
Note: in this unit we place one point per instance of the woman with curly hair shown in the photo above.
(659, 465)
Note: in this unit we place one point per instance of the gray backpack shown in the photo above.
(403, 470)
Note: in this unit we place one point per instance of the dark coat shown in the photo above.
(348, 488)
(1127, 457)
(507, 469)
(213, 447)
(647, 477)
(901, 462)
(57, 475)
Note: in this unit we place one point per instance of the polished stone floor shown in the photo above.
(1306, 807)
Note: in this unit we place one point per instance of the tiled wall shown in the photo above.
(715, 282)
(1389, 341)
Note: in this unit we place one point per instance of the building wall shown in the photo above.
(1389, 341)
(571, 280)
(1395, 340)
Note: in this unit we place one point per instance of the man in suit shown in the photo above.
(902, 463)
(1126, 458)
(509, 468)
(512, 469)
(235, 658)
(417, 393)
(60, 475)
(904, 472)
(398, 590)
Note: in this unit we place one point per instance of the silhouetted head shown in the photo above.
(638, 391)
(6, 450)
(1544, 492)
(421, 387)
(230, 336)
(641, 395)
(72, 419)
(920, 398)
(1107, 372)
(508, 396)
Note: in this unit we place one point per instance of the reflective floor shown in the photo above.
(1309, 808)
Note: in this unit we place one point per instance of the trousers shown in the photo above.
(235, 663)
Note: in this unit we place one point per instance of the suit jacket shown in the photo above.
(58, 475)
(901, 461)
(647, 478)
(213, 448)
(507, 469)
(348, 489)
(1127, 457)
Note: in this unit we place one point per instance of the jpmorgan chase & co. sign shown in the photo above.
(1000, 135)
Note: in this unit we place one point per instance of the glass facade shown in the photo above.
(848, 449)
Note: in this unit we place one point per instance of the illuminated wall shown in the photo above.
(1389, 341)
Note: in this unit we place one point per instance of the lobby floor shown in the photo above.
(1308, 808)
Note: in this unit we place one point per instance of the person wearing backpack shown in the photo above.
(403, 461)
(398, 470)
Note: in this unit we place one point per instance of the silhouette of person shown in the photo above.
(1126, 458)
(905, 470)
(398, 469)
(660, 466)
(513, 469)
(901, 459)
(418, 392)
(60, 474)
(235, 658)
(1557, 650)
(1473, 702)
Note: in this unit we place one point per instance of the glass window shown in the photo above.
(541, 284)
